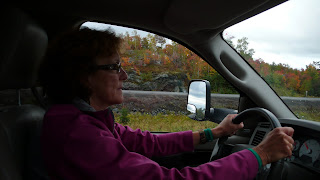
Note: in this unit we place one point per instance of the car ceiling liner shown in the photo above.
(188, 16)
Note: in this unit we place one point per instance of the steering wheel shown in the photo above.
(270, 172)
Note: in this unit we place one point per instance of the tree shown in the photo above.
(136, 40)
(316, 64)
(161, 40)
(229, 40)
(152, 42)
(242, 48)
(145, 43)
(314, 74)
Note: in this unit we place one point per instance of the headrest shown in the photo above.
(22, 46)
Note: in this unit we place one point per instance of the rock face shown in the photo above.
(177, 82)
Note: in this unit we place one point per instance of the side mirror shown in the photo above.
(199, 99)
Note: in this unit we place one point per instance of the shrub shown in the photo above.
(124, 119)
(146, 76)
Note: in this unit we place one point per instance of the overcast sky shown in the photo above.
(288, 33)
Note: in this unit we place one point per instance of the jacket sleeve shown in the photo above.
(96, 154)
(149, 145)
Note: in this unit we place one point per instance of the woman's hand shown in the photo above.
(277, 145)
(226, 127)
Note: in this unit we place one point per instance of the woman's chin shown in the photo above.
(119, 100)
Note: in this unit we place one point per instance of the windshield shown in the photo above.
(281, 44)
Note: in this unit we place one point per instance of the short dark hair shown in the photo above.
(69, 60)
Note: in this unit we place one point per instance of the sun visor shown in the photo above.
(188, 16)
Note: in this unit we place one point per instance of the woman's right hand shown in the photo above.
(277, 145)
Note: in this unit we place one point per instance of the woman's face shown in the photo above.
(106, 85)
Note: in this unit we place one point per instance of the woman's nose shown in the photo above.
(123, 74)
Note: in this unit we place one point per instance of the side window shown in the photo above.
(159, 71)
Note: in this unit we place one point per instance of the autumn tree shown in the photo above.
(161, 40)
(143, 55)
(145, 43)
(136, 40)
(152, 42)
(310, 80)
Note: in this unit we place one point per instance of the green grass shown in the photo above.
(314, 116)
(178, 122)
(164, 122)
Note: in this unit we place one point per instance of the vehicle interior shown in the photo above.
(28, 27)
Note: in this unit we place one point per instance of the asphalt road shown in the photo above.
(218, 100)
(149, 100)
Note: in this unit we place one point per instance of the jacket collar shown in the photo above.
(82, 105)
(106, 116)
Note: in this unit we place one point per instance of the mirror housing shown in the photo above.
(199, 99)
(199, 103)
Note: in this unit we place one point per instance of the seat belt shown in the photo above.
(215, 150)
(219, 142)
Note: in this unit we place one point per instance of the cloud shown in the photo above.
(290, 30)
(197, 94)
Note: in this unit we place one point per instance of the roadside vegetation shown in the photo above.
(148, 56)
(146, 59)
(309, 115)
(163, 122)
(178, 122)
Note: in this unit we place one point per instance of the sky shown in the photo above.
(288, 33)
(197, 94)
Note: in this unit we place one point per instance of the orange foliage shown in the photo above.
(175, 57)
(125, 61)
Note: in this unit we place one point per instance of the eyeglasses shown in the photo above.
(107, 67)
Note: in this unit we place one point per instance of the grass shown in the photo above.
(164, 122)
(179, 122)
(314, 116)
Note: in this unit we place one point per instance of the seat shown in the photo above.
(21, 50)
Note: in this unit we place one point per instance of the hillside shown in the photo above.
(149, 62)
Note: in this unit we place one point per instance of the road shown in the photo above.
(218, 100)
(150, 99)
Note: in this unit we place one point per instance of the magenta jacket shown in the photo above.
(89, 145)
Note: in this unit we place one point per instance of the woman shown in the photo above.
(82, 75)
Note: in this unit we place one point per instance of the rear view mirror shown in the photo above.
(199, 99)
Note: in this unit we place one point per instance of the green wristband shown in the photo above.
(257, 156)
(209, 134)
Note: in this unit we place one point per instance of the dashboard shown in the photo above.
(306, 151)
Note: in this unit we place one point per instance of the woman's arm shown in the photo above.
(98, 155)
(150, 145)
(225, 128)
